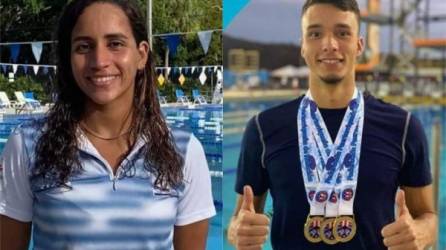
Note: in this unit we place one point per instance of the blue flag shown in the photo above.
(172, 42)
(37, 50)
(15, 49)
(205, 39)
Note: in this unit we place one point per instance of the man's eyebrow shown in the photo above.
(338, 25)
(107, 36)
(343, 25)
(116, 35)
(314, 26)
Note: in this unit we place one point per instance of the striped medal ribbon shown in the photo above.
(330, 170)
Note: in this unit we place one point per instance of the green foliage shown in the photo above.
(23, 84)
(36, 6)
(29, 20)
(187, 16)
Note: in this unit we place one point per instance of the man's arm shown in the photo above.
(192, 236)
(415, 226)
(420, 202)
(14, 234)
(249, 227)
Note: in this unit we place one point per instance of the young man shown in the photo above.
(334, 158)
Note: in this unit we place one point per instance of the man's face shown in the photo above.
(330, 43)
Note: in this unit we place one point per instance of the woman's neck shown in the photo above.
(107, 121)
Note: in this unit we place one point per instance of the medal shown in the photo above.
(326, 231)
(344, 228)
(330, 170)
(311, 228)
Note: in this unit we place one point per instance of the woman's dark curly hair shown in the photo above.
(57, 147)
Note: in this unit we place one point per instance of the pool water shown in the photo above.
(206, 122)
(236, 114)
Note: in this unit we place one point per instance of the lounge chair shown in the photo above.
(5, 102)
(28, 100)
(4, 105)
(26, 104)
(198, 98)
(17, 105)
(181, 98)
(162, 99)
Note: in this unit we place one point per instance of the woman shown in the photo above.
(102, 170)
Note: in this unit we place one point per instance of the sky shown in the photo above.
(278, 21)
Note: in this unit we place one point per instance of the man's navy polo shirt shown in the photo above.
(269, 160)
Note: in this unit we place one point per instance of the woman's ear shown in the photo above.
(143, 49)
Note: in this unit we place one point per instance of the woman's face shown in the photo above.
(104, 55)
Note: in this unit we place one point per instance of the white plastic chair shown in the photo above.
(5, 102)
(26, 101)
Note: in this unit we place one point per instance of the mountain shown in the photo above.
(272, 56)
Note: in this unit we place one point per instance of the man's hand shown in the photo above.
(404, 233)
(248, 230)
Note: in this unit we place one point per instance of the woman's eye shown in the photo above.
(82, 48)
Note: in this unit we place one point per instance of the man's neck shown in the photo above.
(332, 96)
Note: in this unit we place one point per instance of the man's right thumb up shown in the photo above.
(248, 199)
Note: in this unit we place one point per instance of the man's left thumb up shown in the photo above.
(400, 202)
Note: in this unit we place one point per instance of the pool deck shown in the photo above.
(275, 94)
(45, 108)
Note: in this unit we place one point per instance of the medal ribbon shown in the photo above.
(330, 170)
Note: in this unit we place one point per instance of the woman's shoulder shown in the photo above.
(26, 134)
(30, 129)
(23, 138)
(181, 138)
(31, 125)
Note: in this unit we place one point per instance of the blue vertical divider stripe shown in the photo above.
(230, 9)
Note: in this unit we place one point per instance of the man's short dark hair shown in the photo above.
(344, 5)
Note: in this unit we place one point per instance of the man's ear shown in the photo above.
(361, 46)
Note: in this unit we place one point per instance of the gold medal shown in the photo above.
(344, 228)
(326, 231)
(311, 228)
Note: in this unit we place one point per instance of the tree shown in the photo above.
(188, 17)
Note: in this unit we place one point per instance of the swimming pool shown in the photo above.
(236, 114)
(206, 122)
